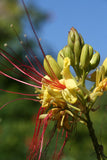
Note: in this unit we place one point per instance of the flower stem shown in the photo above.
(97, 147)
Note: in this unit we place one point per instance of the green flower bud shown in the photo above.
(94, 60)
(60, 58)
(65, 52)
(77, 51)
(90, 51)
(69, 53)
(71, 40)
(77, 37)
(75, 41)
(72, 37)
(52, 66)
(105, 66)
(84, 58)
(81, 39)
(72, 34)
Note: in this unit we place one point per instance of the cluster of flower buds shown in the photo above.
(76, 42)
(83, 59)
(82, 56)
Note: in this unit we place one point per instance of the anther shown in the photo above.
(11, 25)
(5, 44)
(21, 42)
(40, 39)
(25, 35)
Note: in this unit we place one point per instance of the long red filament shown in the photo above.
(37, 76)
(51, 70)
(18, 100)
(24, 94)
(20, 69)
(29, 84)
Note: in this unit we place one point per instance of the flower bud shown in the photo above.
(72, 34)
(72, 37)
(105, 65)
(84, 58)
(81, 39)
(69, 53)
(51, 66)
(77, 37)
(90, 51)
(65, 52)
(75, 41)
(60, 58)
(94, 60)
(77, 51)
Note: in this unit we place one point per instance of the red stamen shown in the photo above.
(24, 94)
(61, 150)
(35, 59)
(54, 155)
(31, 99)
(20, 69)
(51, 70)
(40, 65)
(50, 138)
(55, 84)
(12, 51)
(30, 73)
(33, 69)
(29, 84)
(35, 141)
(45, 121)
(11, 56)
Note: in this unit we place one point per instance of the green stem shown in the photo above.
(97, 146)
(83, 78)
(77, 71)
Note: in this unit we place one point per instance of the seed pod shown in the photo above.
(94, 60)
(84, 58)
(52, 66)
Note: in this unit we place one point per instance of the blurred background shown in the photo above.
(52, 21)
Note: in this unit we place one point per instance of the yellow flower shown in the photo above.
(102, 86)
(101, 81)
(57, 101)
(69, 93)
(58, 96)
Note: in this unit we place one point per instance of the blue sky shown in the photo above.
(89, 17)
